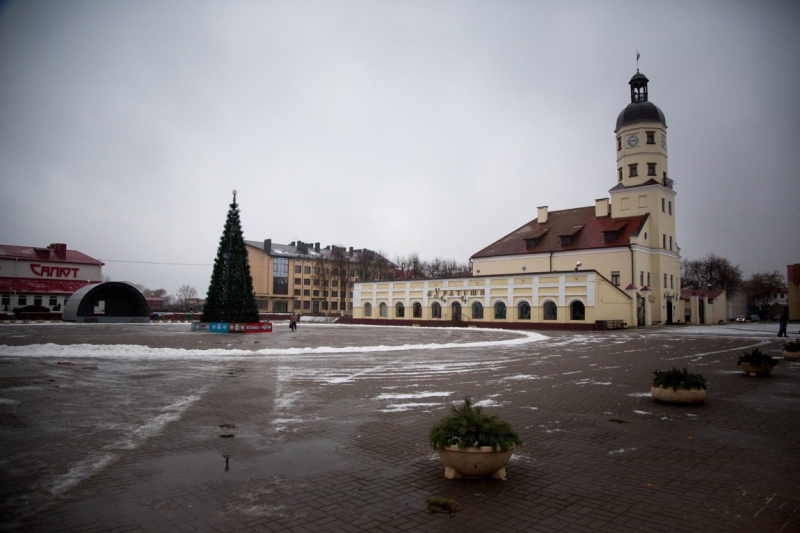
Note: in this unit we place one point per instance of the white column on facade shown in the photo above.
(706, 313)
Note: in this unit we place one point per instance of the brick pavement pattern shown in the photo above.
(313, 442)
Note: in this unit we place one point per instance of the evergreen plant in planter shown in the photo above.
(472, 444)
(756, 363)
(678, 386)
(791, 350)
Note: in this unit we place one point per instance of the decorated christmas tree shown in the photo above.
(230, 296)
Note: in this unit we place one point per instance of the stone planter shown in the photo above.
(678, 396)
(760, 371)
(791, 356)
(474, 462)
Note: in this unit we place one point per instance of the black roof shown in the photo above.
(639, 112)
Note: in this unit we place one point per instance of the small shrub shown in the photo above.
(792, 346)
(756, 358)
(468, 426)
(678, 379)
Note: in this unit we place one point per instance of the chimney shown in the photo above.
(267, 246)
(292, 243)
(350, 252)
(601, 208)
(542, 215)
(316, 247)
(60, 249)
(302, 247)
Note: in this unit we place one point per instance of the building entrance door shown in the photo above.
(701, 312)
(669, 310)
(456, 307)
(315, 307)
(640, 312)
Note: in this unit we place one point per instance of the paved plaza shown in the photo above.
(155, 428)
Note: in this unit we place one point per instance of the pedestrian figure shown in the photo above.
(782, 328)
(293, 322)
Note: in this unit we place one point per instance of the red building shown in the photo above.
(43, 276)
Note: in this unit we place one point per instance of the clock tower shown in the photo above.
(643, 187)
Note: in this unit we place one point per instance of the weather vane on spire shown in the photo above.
(637, 60)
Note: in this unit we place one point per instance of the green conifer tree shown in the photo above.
(230, 296)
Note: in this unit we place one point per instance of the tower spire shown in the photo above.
(637, 61)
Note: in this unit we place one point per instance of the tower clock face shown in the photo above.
(632, 140)
(664, 142)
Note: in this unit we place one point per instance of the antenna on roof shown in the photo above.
(637, 61)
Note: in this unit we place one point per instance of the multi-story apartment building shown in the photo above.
(301, 277)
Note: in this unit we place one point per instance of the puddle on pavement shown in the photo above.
(286, 459)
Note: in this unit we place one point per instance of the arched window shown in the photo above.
(436, 310)
(367, 309)
(477, 310)
(500, 311)
(383, 310)
(399, 310)
(417, 310)
(577, 311)
(550, 310)
(524, 310)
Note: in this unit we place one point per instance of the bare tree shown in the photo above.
(760, 287)
(711, 272)
(185, 292)
(341, 267)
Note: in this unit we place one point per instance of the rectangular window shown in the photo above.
(619, 173)
(297, 304)
(316, 294)
(6, 301)
(306, 305)
(671, 282)
(306, 292)
(280, 307)
(316, 271)
(651, 169)
(648, 279)
(670, 242)
(53, 301)
(307, 270)
(297, 269)
(619, 144)
(664, 242)
(651, 137)
(280, 276)
(641, 278)
(662, 206)
(324, 305)
(670, 207)
(297, 292)
(316, 282)
(334, 306)
(633, 170)
(297, 281)
(22, 300)
(615, 278)
(324, 294)
(334, 283)
(306, 281)
(37, 300)
(665, 281)
(335, 294)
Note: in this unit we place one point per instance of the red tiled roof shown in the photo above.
(711, 293)
(563, 223)
(41, 286)
(8, 251)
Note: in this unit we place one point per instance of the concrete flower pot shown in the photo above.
(760, 371)
(474, 462)
(678, 396)
(791, 356)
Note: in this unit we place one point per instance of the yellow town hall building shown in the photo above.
(613, 263)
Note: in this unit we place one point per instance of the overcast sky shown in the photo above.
(430, 127)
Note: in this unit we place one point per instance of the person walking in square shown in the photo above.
(293, 322)
(782, 327)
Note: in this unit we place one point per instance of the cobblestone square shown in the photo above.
(154, 428)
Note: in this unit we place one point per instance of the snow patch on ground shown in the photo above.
(621, 450)
(400, 407)
(520, 377)
(409, 396)
(642, 412)
(591, 382)
(640, 394)
(489, 403)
